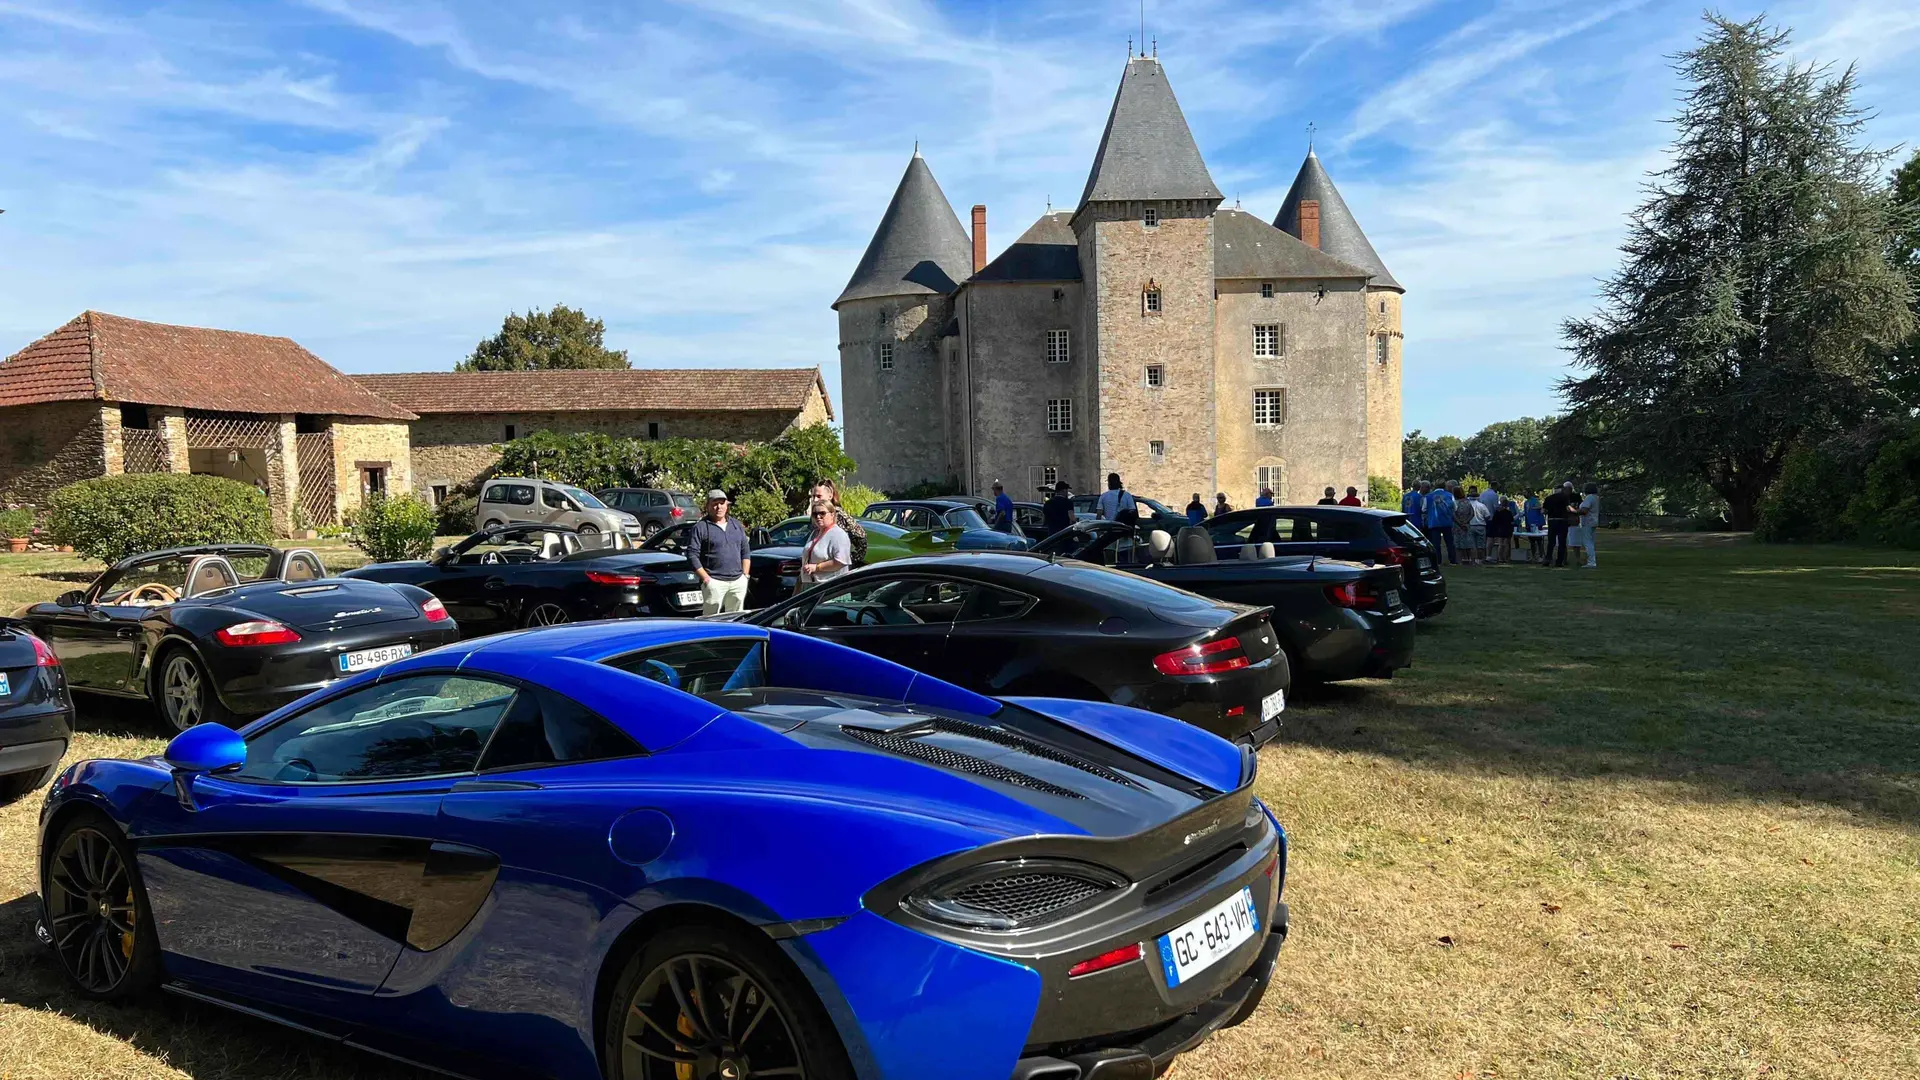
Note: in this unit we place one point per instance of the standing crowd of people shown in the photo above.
(1477, 528)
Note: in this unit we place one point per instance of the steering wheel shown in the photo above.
(866, 616)
(152, 590)
(297, 769)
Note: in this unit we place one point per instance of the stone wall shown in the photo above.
(1383, 386)
(1122, 257)
(357, 442)
(895, 419)
(1004, 349)
(1323, 439)
(46, 446)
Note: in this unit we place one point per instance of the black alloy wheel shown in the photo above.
(96, 911)
(547, 614)
(701, 1003)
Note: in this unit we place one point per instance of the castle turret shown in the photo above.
(1315, 213)
(894, 314)
(1145, 226)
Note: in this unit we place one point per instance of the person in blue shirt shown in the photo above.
(1413, 503)
(1440, 523)
(1002, 509)
(1266, 497)
(1196, 510)
(1535, 520)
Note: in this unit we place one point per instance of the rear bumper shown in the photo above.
(1144, 1055)
(1208, 701)
(256, 680)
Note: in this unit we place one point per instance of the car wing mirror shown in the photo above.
(203, 748)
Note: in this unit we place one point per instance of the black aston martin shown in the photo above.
(513, 576)
(228, 631)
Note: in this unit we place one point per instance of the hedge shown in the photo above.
(111, 517)
(392, 528)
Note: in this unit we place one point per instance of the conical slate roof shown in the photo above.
(1340, 235)
(919, 247)
(1147, 151)
(1049, 251)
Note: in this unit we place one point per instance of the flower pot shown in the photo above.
(16, 544)
(309, 534)
(66, 549)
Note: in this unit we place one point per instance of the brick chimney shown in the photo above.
(1310, 222)
(979, 237)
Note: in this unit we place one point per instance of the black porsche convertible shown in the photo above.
(513, 576)
(228, 631)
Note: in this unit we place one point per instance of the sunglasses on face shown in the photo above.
(823, 513)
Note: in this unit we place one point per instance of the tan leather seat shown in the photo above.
(209, 573)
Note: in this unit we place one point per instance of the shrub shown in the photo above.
(1382, 493)
(1807, 502)
(16, 524)
(757, 508)
(393, 528)
(854, 498)
(1887, 509)
(111, 517)
(456, 514)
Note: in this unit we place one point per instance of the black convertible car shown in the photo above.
(1356, 533)
(1336, 619)
(1011, 624)
(512, 576)
(36, 712)
(227, 631)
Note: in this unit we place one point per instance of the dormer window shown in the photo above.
(1150, 300)
(1150, 217)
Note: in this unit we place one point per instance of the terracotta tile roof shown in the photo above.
(639, 389)
(108, 358)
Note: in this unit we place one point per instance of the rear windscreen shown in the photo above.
(1401, 529)
(701, 668)
(684, 502)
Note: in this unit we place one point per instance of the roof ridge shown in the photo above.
(93, 354)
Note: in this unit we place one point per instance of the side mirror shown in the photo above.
(203, 748)
(71, 598)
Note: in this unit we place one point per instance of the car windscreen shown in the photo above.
(584, 498)
(702, 668)
(965, 518)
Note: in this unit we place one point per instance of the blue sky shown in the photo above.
(383, 181)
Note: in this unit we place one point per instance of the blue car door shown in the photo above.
(298, 879)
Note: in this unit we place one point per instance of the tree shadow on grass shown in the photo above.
(1746, 672)
(203, 1041)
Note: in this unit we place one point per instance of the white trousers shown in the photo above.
(717, 596)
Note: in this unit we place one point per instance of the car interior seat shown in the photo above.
(1193, 546)
(1160, 544)
(552, 547)
(1266, 549)
(210, 573)
(1249, 552)
(302, 565)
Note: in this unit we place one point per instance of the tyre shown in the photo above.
(17, 786)
(546, 613)
(492, 523)
(714, 1003)
(589, 529)
(650, 528)
(185, 693)
(96, 910)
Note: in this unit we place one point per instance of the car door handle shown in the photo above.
(495, 583)
(123, 631)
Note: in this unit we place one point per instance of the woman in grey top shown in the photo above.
(828, 551)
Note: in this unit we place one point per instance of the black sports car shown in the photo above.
(511, 576)
(1014, 624)
(227, 631)
(1337, 620)
(36, 712)
(1357, 533)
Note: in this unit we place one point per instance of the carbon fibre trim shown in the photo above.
(953, 759)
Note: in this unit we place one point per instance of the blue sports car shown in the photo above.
(666, 849)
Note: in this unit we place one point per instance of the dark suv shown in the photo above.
(655, 508)
(1354, 533)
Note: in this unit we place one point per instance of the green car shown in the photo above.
(884, 541)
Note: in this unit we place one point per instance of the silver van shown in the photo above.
(510, 500)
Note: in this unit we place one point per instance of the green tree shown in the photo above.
(1512, 454)
(1756, 293)
(563, 338)
(1422, 458)
(1903, 362)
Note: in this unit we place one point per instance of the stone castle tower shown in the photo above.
(1149, 331)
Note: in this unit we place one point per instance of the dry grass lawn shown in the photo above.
(1660, 820)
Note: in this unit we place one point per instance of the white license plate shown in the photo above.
(1423, 563)
(368, 659)
(1273, 705)
(1197, 946)
(1393, 598)
(687, 598)
(4, 688)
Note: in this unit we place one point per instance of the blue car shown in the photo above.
(668, 849)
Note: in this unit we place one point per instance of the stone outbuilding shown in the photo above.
(465, 416)
(104, 395)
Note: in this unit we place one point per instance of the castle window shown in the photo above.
(1151, 217)
(1050, 475)
(1156, 376)
(1059, 415)
(509, 432)
(1156, 450)
(886, 356)
(1269, 408)
(1383, 307)
(1267, 478)
(439, 494)
(1266, 290)
(1057, 347)
(1267, 339)
(1380, 349)
(653, 429)
(1152, 299)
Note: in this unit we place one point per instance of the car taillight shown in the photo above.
(1398, 556)
(1212, 658)
(256, 632)
(434, 610)
(43, 656)
(625, 581)
(1353, 594)
(1126, 954)
(677, 511)
(790, 566)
